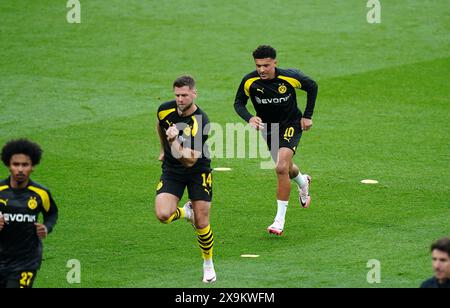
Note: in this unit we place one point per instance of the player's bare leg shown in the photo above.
(201, 213)
(294, 171)
(205, 238)
(283, 165)
(166, 208)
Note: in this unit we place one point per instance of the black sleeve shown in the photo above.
(51, 216)
(311, 88)
(240, 103)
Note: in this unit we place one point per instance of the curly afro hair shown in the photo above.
(21, 146)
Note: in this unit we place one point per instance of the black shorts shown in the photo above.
(16, 280)
(199, 185)
(288, 137)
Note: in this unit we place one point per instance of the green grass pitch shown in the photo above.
(88, 93)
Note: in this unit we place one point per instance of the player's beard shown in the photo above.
(182, 109)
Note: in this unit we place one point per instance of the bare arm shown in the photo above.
(186, 156)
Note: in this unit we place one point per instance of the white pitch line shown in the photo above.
(369, 182)
(222, 169)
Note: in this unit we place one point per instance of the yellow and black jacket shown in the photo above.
(275, 100)
(20, 247)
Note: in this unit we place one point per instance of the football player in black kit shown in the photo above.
(21, 201)
(272, 91)
(183, 130)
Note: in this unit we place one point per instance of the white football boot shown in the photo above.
(276, 228)
(209, 274)
(189, 212)
(303, 192)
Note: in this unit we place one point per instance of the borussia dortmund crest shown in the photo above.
(282, 89)
(32, 203)
(187, 131)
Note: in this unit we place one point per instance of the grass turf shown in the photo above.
(88, 94)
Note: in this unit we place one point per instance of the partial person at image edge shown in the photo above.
(440, 251)
(21, 202)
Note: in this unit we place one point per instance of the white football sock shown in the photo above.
(208, 263)
(282, 208)
(299, 180)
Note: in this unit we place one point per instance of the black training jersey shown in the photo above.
(20, 247)
(275, 100)
(194, 131)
